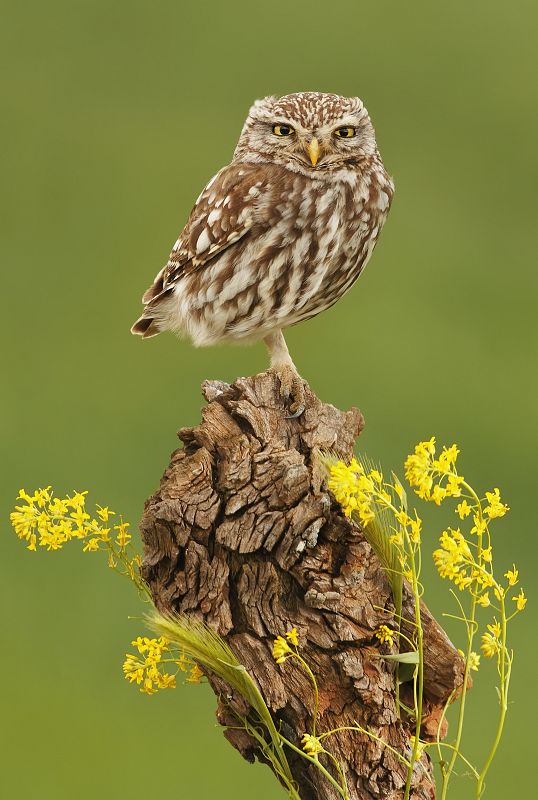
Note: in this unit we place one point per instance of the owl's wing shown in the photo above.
(224, 213)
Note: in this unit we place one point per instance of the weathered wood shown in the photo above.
(242, 534)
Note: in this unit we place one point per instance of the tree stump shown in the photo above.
(242, 534)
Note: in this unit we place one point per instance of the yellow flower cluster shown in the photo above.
(452, 558)
(145, 667)
(384, 634)
(420, 747)
(353, 488)
(50, 522)
(312, 745)
(495, 508)
(281, 646)
(422, 468)
(474, 659)
(466, 562)
(364, 494)
(147, 671)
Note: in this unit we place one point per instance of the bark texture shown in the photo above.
(243, 534)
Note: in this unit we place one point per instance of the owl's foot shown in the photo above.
(292, 389)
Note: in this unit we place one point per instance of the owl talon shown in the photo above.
(292, 390)
(295, 414)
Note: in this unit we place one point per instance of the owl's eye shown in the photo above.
(347, 132)
(283, 130)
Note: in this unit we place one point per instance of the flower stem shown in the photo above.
(419, 678)
(505, 668)
(316, 690)
(471, 628)
(315, 761)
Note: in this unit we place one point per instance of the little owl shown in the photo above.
(278, 235)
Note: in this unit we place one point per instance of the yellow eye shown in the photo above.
(283, 130)
(347, 132)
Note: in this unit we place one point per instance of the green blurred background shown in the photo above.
(114, 116)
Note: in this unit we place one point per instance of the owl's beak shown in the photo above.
(312, 149)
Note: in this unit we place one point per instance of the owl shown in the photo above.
(278, 235)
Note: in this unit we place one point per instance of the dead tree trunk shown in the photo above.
(242, 534)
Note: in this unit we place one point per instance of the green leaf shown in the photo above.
(404, 658)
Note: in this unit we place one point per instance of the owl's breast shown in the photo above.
(307, 245)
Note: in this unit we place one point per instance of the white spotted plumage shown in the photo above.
(282, 232)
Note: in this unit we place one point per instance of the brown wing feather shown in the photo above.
(224, 213)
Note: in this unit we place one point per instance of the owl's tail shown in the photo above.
(145, 327)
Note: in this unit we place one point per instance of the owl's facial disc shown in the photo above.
(308, 132)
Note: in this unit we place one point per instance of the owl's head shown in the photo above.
(309, 132)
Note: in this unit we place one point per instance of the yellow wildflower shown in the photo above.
(462, 580)
(453, 487)
(415, 525)
(77, 501)
(124, 537)
(42, 497)
(403, 518)
(512, 576)
(520, 600)
(418, 465)
(490, 645)
(133, 669)
(281, 650)
(91, 546)
(352, 489)
(420, 748)
(449, 559)
(490, 640)
(483, 578)
(396, 538)
(52, 538)
(144, 669)
(50, 522)
(104, 534)
(311, 744)
(165, 680)
(141, 643)
(384, 634)
(183, 663)
(343, 483)
(384, 498)
(148, 687)
(486, 554)
(195, 675)
(58, 508)
(463, 509)
(438, 494)
(479, 524)
(447, 459)
(495, 507)
(474, 661)
(293, 637)
(484, 600)
(79, 516)
(104, 513)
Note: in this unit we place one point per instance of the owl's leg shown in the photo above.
(291, 383)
